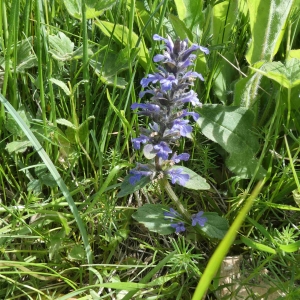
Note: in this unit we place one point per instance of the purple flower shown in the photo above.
(179, 227)
(194, 115)
(193, 48)
(169, 90)
(166, 83)
(162, 150)
(176, 175)
(151, 79)
(138, 172)
(197, 219)
(147, 109)
(183, 156)
(146, 106)
(182, 127)
(142, 139)
(142, 94)
(191, 74)
(169, 42)
(191, 97)
(172, 214)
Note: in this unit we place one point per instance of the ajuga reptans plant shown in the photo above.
(170, 90)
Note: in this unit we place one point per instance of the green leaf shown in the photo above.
(44, 176)
(56, 241)
(257, 246)
(25, 57)
(62, 85)
(152, 216)
(34, 186)
(268, 19)
(76, 253)
(190, 13)
(127, 188)
(12, 126)
(66, 123)
(180, 28)
(47, 161)
(83, 129)
(196, 182)
(18, 146)
(222, 26)
(128, 39)
(61, 47)
(290, 247)
(230, 127)
(114, 64)
(215, 226)
(286, 75)
(94, 8)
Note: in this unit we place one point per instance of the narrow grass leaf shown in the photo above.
(224, 246)
(44, 156)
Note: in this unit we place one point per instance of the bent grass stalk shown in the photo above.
(52, 169)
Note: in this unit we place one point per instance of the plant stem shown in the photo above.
(175, 199)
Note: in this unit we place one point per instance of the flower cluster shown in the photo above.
(179, 225)
(170, 90)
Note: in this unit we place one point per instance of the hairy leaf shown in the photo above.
(230, 127)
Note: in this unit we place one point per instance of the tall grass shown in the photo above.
(69, 72)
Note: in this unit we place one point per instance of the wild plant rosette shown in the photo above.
(170, 88)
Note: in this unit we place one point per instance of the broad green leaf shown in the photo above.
(215, 226)
(244, 164)
(230, 127)
(94, 8)
(127, 188)
(18, 146)
(66, 123)
(190, 13)
(287, 75)
(112, 65)
(196, 182)
(62, 85)
(25, 56)
(121, 34)
(76, 253)
(61, 47)
(44, 176)
(83, 129)
(56, 241)
(152, 216)
(294, 54)
(268, 19)
(12, 126)
(180, 28)
(257, 246)
(34, 186)
(248, 90)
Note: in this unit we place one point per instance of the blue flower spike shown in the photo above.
(169, 91)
